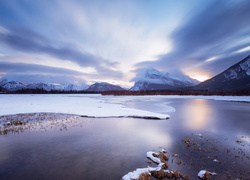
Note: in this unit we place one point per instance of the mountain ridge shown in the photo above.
(234, 78)
(103, 86)
(11, 85)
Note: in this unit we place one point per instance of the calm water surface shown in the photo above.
(110, 148)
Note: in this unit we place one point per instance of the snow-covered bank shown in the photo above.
(86, 105)
(159, 172)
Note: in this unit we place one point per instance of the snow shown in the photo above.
(230, 74)
(91, 105)
(215, 160)
(15, 85)
(86, 105)
(154, 159)
(203, 172)
(135, 174)
(153, 76)
(245, 66)
(163, 150)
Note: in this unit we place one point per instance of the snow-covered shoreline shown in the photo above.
(84, 105)
(91, 105)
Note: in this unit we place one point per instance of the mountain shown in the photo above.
(100, 87)
(15, 85)
(153, 79)
(235, 78)
(11, 85)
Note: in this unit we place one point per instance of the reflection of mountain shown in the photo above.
(15, 85)
(100, 87)
(235, 78)
(155, 80)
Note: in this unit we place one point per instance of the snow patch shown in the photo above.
(230, 74)
(135, 174)
(151, 156)
(202, 173)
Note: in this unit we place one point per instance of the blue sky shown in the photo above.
(90, 41)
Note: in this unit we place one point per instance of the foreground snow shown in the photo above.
(136, 174)
(86, 105)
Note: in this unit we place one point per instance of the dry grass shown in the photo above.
(169, 174)
(18, 123)
(144, 176)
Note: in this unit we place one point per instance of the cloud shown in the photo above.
(23, 68)
(28, 41)
(38, 73)
(222, 64)
(218, 29)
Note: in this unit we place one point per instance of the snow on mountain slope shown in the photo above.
(153, 79)
(15, 85)
(11, 85)
(235, 78)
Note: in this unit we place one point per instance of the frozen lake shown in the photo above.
(109, 148)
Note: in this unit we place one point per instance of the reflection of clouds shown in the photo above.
(197, 114)
(147, 130)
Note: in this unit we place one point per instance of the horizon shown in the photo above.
(112, 41)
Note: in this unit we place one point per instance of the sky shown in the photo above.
(82, 41)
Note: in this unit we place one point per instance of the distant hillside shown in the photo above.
(100, 87)
(235, 78)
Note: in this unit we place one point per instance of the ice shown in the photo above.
(86, 105)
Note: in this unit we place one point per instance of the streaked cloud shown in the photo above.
(109, 40)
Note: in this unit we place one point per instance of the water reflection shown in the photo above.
(197, 114)
(109, 148)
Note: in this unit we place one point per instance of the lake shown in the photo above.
(74, 147)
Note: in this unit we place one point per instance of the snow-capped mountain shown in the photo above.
(11, 85)
(15, 85)
(153, 79)
(100, 87)
(235, 78)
